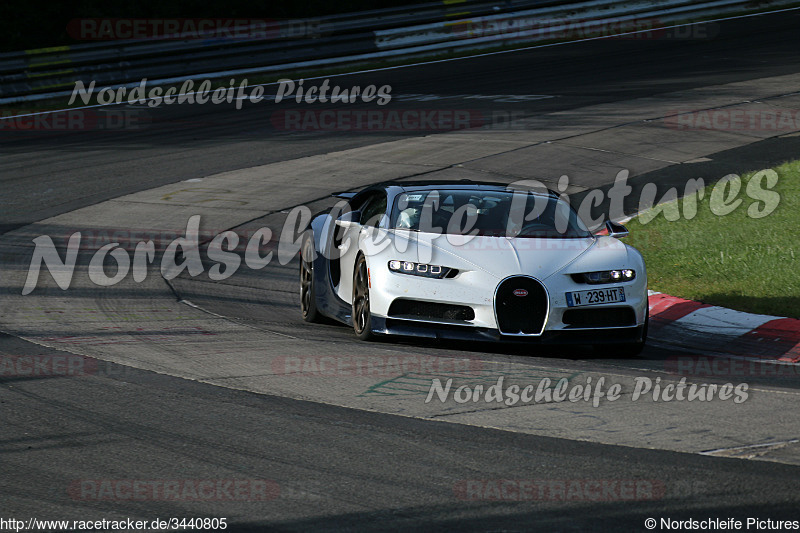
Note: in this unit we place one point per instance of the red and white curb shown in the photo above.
(695, 326)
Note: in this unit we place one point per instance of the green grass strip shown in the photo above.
(746, 259)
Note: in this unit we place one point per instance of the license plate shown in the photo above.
(595, 297)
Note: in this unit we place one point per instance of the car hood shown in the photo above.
(502, 257)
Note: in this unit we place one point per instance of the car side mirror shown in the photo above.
(615, 229)
(349, 219)
(344, 195)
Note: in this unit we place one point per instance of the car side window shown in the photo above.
(373, 210)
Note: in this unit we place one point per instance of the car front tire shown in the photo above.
(362, 317)
(631, 349)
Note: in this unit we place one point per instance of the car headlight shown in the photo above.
(422, 269)
(605, 276)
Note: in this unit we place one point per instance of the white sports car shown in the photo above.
(470, 260)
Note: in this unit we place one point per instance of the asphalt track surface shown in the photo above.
(341, 468)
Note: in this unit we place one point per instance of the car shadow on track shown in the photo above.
(570, 352)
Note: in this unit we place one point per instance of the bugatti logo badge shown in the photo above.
(520, 292)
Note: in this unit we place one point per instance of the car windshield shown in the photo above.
(488, 213)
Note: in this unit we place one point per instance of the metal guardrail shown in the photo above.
(597, 17)
(387, 33)
(116, 62)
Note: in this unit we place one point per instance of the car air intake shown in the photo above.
(605, 317)
(521, 306)
(404, 307)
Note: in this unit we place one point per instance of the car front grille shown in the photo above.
(521, 305)
(404, 307)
